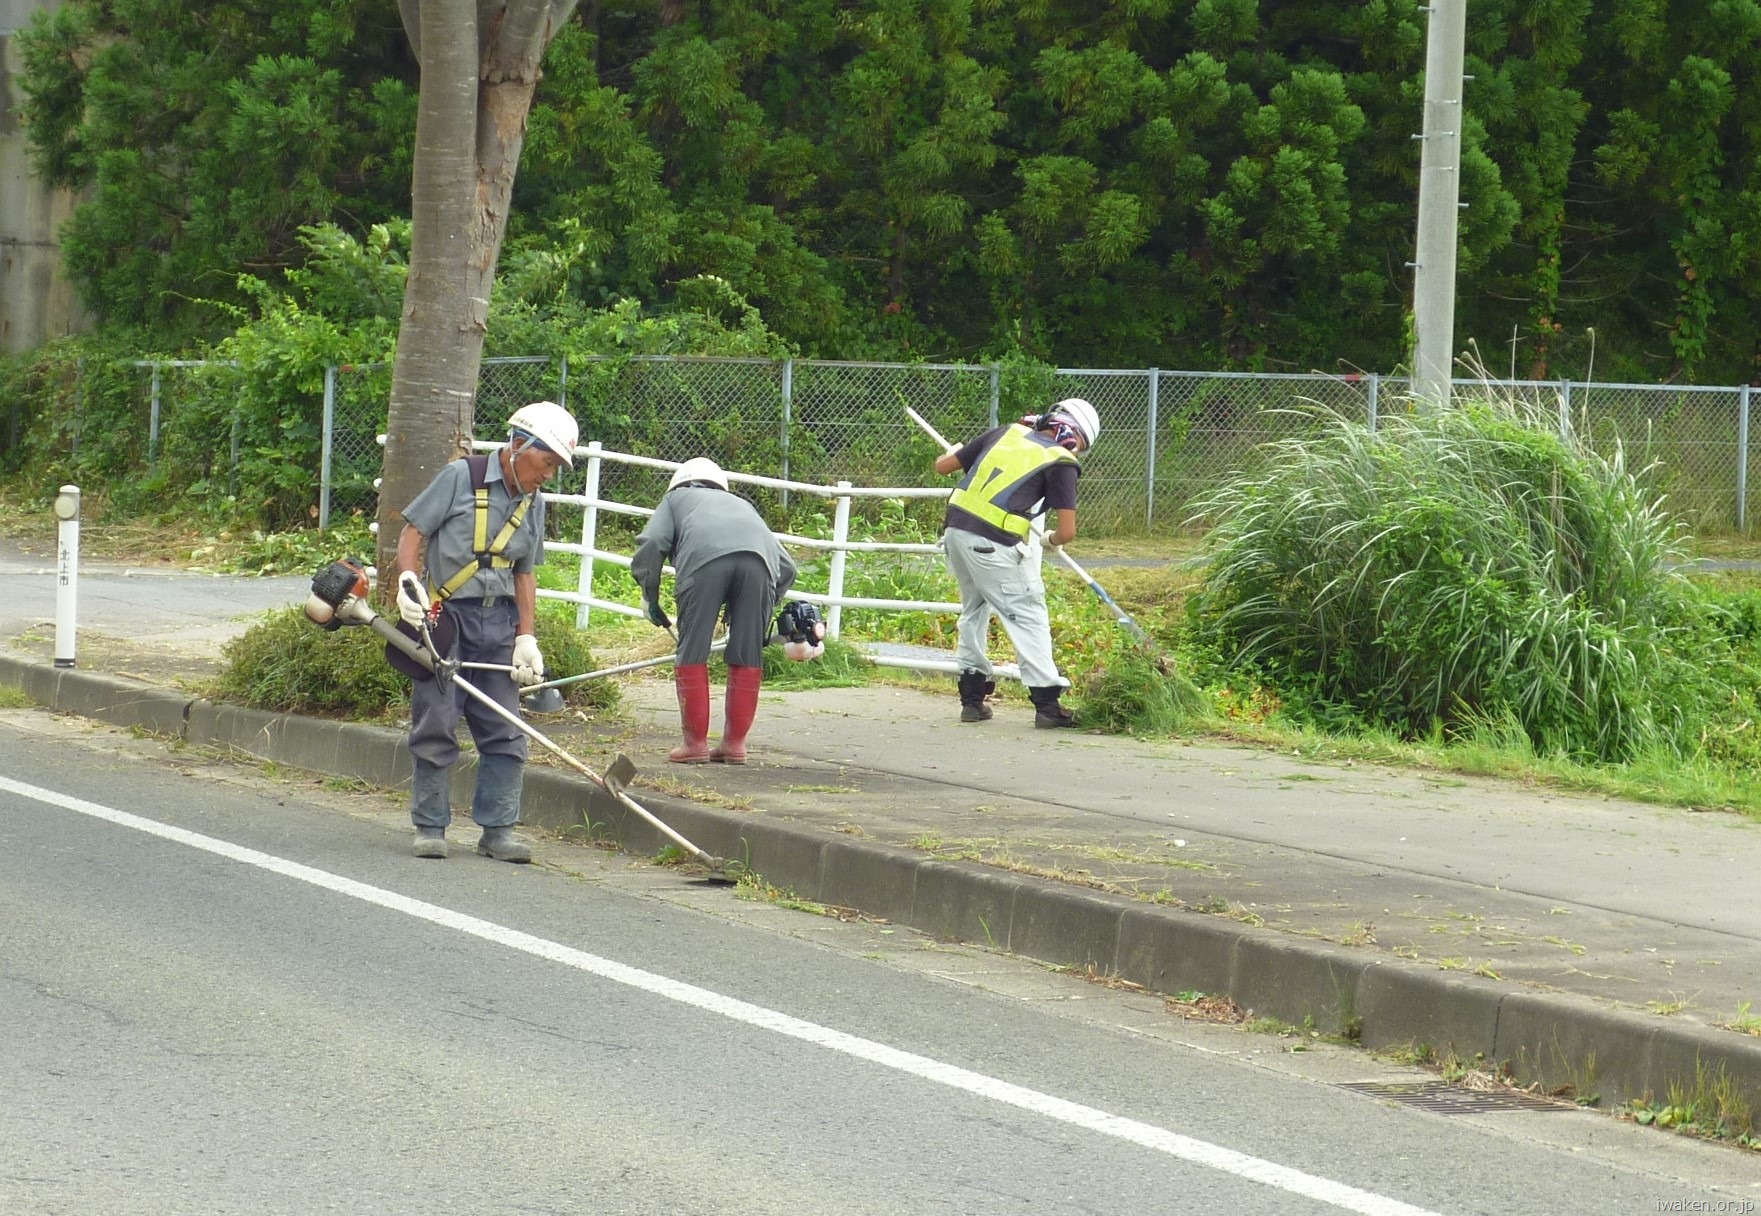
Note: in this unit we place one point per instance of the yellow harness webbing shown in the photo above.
(489, 553)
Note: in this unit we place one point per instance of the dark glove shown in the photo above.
(658, 617)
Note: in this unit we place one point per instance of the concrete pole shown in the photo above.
(1433, 292)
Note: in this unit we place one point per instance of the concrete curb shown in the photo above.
(1558, 1039)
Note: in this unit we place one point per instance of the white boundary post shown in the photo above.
(67, 575)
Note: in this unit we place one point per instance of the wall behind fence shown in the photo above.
(1168, 437)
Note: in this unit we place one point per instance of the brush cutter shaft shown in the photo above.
(621, 668)
(403, 642)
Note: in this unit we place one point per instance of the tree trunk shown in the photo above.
(479, 69)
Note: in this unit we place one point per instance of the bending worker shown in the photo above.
(480, 524)
(724, 559)
(1013, 473)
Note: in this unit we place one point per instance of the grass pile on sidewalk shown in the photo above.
(286, 664)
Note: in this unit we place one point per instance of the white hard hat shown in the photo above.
(1081, 415)
(551, 425)
(699, 468)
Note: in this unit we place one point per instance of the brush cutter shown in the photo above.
(340, 597)
(1119, 614)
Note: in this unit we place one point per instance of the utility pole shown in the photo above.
(1433, 287)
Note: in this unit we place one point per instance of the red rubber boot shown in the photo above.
(740, 709)
(691, 680)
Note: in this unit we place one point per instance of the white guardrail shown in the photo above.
(839, 544)
(834, 601)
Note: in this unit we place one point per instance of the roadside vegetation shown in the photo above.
(1462, 592)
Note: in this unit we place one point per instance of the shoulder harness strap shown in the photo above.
(488, 553)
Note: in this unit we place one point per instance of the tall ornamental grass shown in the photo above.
(1457, 569)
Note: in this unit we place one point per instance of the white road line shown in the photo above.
(1186, 1148)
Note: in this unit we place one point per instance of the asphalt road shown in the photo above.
(225, 992)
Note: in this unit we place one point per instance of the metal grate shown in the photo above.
(1443, 1098)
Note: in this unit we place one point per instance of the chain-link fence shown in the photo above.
(1168, 437)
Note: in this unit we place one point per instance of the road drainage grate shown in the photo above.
(1440, 1097)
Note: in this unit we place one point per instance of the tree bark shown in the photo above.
(480, 63)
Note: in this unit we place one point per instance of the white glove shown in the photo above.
(528, 663)
(409, 606)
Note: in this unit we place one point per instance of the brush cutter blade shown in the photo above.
(543, 701)
(620, 774)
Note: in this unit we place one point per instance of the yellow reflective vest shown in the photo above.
(1017, 455)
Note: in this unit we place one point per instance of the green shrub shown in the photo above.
(1460, 567)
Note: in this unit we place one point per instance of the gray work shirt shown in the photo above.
(445, 513)
(694, 525)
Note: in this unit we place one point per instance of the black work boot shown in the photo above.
(503, 845)
(974, 688)
(1048, 713)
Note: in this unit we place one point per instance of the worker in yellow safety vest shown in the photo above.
(1013, 474)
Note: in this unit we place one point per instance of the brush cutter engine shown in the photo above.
(337, 590)
(802, 631)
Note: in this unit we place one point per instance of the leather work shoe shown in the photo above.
(503, 845)
(975, 686)
(429, 842)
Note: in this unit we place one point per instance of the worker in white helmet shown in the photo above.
(473, 538)
(1013, 473)
(726, 562)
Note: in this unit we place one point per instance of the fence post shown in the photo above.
(562, 383)
(1375, 392)
(1743, 460)
(153, 425)
(1149, 475)
(1565, 409)
(840, 537)
(996, 392)
(788, 409)
(589, 532)
(232, 470)
(329, 438)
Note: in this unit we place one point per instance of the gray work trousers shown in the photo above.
(741, 584)
(1004, 579)
(486, 629)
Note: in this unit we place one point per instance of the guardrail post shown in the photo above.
(840, 537)
(1149, 472)
(589, 531)
(324, 465)
(1743, 460)
(788, 409)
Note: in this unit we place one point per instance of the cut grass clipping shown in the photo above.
(1138, 693)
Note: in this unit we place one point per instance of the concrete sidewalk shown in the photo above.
(1583, 942)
